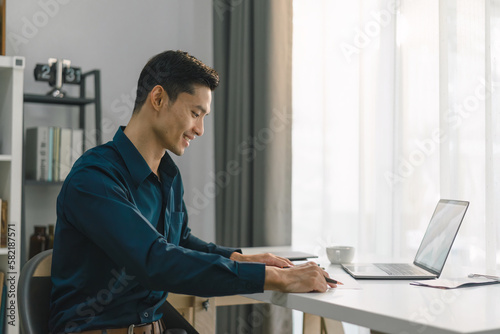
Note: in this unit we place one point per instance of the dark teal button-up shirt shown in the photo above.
(122, 242)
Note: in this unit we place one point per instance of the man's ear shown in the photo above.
(158, 97)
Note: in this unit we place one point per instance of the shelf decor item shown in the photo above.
(2, 27)
(85, 103)
(50, 237)
(58, 72)
(38, 241)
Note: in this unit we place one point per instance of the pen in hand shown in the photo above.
(330, 280)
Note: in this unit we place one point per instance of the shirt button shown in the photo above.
(146, 314)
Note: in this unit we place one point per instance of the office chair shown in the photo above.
(33, 297)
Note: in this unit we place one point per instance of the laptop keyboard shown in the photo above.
(400, 269)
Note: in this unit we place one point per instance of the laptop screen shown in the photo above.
(440, 234)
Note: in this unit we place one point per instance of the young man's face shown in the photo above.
(182, 121)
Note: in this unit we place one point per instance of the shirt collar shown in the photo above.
(138, 168)
(168, 166)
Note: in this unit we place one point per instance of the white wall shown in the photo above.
(117, 37)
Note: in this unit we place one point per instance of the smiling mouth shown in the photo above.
(187, 139)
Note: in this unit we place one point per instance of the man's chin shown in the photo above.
(177, 152)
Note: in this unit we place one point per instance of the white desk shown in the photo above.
(397, 307)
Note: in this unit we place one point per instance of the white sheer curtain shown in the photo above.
(396, 105)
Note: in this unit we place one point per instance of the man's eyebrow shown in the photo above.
(203, 110)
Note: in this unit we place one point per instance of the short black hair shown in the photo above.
(176, 72)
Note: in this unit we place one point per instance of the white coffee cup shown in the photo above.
(340, 254)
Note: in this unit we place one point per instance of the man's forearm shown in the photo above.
(236, 256)
(274, 279)
(195, 243)
(283, 275)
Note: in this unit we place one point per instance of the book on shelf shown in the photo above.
(76, 145)
(50, 144)
(56, 150)
(3, 301)
(4, 216)
(64, 153)
(37, 153)
(51, 151)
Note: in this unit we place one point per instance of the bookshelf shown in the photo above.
(39, 197)
(2, 26)
(11, 154)
(82, 102)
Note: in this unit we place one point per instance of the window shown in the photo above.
(388, 120)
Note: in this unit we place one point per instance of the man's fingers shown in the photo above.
(287, 262)
(277, 261)
(306, 277)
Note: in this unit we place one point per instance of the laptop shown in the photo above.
(295, 255)
(432, 253)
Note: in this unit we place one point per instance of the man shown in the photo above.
(122, 239)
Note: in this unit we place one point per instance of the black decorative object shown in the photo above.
(58, 72)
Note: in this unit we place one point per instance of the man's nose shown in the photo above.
(199, 128)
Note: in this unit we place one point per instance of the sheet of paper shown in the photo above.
(443, 283)
(347, 280)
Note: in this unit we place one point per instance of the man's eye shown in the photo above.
(195, 114)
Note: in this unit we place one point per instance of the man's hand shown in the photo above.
(267, 258)
(306, 277)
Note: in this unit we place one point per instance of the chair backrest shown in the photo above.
(33, 297)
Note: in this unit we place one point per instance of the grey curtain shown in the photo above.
(252, 111)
